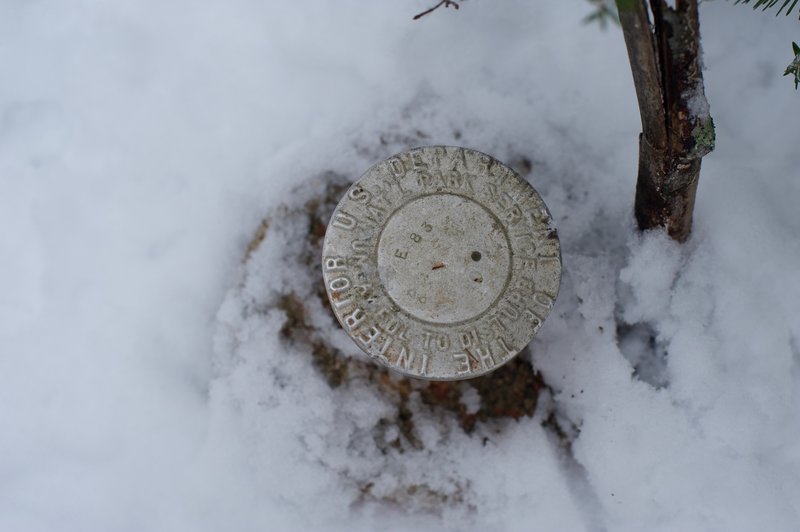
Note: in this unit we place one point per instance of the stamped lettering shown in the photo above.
(345, 221)
(441, 263)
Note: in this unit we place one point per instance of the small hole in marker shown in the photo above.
(476, 256)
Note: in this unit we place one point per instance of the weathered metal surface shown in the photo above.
(441, 263)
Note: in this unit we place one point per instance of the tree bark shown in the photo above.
(677, 130)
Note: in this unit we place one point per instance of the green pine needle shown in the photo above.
(766, 4)
(604, 12)
(794, 66)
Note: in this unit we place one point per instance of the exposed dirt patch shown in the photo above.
(511, 392)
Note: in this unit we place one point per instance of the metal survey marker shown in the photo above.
(441, 263)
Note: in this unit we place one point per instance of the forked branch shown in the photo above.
(445, 3)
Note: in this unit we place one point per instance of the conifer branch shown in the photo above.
(766, 4)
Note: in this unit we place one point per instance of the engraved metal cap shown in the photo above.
(441, 263)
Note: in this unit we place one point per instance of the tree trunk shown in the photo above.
(677, 130)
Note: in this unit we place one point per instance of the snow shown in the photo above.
(144, 381)
(698, 104)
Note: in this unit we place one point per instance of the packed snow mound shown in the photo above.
(435, 452)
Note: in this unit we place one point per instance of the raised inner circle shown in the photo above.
(443, 258)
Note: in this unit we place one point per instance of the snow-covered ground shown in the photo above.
(144, 382)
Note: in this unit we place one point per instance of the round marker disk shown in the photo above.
(441, 263)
